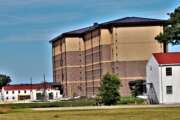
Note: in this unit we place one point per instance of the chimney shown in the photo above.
(95, 24)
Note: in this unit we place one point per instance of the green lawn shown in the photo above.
(114, 114)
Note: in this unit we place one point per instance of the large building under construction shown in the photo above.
(81, 57)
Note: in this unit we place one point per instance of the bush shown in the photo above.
(67, 103)
(131, 100)
(109, 90)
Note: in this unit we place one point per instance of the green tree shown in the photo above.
(171, 32)
(4, 80)
(109, 90)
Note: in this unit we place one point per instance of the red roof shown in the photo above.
(27, 86)
(167, 58)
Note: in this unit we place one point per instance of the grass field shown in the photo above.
(114, 114)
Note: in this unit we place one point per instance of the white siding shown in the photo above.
(8, 97)
(173, 81)
(152, 76)
(156, 74)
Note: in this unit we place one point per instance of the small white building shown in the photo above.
(29, 92)
(163, 78)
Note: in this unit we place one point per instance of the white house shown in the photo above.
(163, 78)
(29, 92)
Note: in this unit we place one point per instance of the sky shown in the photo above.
(26, 26)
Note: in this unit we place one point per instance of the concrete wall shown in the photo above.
(131, 49)
(136, 43)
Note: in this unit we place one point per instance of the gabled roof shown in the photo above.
(167, 58)
(27, 86)
(127, 21)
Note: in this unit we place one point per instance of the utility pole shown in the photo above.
(44, 85)
(31, 88)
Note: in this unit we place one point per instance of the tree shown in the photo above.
(138, 87)
(109, 90)
(4, 80)
(171, 32)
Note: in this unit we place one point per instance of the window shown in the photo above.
(6, 92)
(169, 89)
(168, 71)
(25, 91)
(7, 98)
(12, 92)
(150, 68)
(13, 98)
(24, 97)
(19, 91)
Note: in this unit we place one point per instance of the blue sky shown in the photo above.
(26, 26)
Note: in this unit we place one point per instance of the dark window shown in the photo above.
(24, 97)
(19, 91)
(7, 98)
(13, 98)
(25, 91)
(150, 68)
(12, 92)
(169, 89)
(168, 71)
(6, 92)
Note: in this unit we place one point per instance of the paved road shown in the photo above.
(105, 107)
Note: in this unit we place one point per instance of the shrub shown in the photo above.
(131, 100)
(109, 90)
(67, 103)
